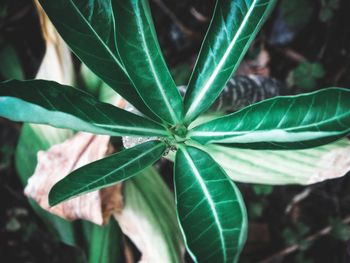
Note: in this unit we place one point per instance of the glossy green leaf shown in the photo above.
(47, 102)
(142, 58)
(88, 28)
(210, 208)
(282, 167)
(108, 171)
(232, 29)
(149, 218)
(290, 122)
(34, 138)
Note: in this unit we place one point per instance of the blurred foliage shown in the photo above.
(305, 76)
(297, 13)
(328, 8)
(340, 230)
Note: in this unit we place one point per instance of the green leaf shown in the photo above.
(105, 243)
(290, 122)
(108, 171)
(88, 28)
(10, 66)
(282, 167)
(297, 13)
(34, 138)
(149, 218)
(47, 102)
(142, 58)
(210, 208)
(340, 230)
(305, 76)
(232, 29)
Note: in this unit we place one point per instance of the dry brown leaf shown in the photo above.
(59, 161)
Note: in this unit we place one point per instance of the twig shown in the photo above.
(293, 55)
(173, 17)
(293, 248)
(200, 17)
(298, 198)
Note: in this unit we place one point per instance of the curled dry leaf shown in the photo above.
(59, 161)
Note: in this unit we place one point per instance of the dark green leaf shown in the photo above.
(10, 66)
(108, 171)
(210, 208)
(88, 28)
(297, 13)
(291, 122)
(47, 102)
(232, 29)
(142, 58)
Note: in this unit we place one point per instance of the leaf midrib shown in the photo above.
(209, 82)
(86, 186)
(147, 52)
(208, 197)
(99, 38)
(207, 133)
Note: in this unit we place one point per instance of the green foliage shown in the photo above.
(296, 235)
(256, 210)
(111, 170)
(340, 230)
(210, 207)
(10, 67)
(233, 27)
(117, 41)
(306, 75)
(271, 124)
(297, 13)
(328, 7)
(262, 190)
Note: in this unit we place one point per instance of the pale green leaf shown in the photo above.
(148, 218)
(282, 167)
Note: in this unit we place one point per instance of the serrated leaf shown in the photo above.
(210, 208)
(290, 122)
(139, 50)
(232, 29)
(88, 28)
(106, 172)
(282, 167)
(47, 102)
